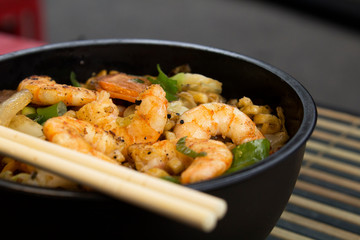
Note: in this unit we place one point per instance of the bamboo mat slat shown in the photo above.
(325, 203)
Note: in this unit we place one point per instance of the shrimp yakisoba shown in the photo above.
(147, 137)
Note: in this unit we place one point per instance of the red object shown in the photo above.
(22, 18)
(10, 43)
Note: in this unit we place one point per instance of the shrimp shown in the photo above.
(217, 160)
(84, 137)
(156, 155)
(122, 85)
(145, 125)
(47, 92)
(212, 119)
(101, 112)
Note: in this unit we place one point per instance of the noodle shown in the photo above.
(193, 91)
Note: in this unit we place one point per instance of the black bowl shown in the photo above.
(256, 196)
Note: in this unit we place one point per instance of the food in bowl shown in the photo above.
(175, 126)
(256, 196)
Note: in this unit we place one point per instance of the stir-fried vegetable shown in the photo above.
(28, 111)
(73, 80)
(14, 104)
(40, 115)
(197, 82)
(24, 124)
(249, 153)
(169, 85)
(181, 147)
(174, 179)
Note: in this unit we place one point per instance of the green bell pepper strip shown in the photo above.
(249, 153)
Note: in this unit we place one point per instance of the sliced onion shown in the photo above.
(14, 104)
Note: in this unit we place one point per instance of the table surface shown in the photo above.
(326, 201)
(10, 43)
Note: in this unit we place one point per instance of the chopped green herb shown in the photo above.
(169, 85)
(33, 175)
(36, 118)
(174, 179)
(137, 80)
(73, 80)
(249, 153)
(40, 115)
(181, 147)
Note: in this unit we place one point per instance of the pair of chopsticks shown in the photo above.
(180, 203)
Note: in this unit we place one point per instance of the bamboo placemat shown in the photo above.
(325, 204)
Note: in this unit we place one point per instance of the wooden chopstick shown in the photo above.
(167, 205)
(180, 203)
(213, 203)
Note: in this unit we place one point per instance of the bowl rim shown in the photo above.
(297, 141)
